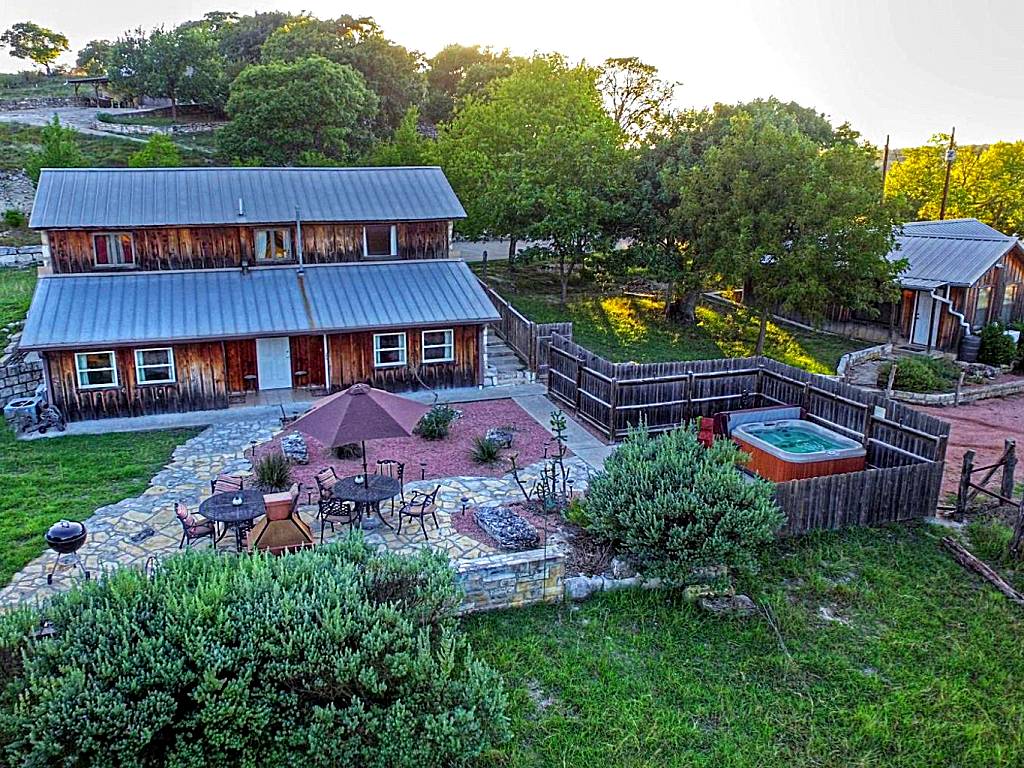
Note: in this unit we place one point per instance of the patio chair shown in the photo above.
(226, 484)
(333, 511)
(325, 480)
(396, 471)
(282, 529)
(418, 507)
(192, 528)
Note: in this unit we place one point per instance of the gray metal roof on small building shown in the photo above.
(105, 198)
(954, 252)
(90, 311)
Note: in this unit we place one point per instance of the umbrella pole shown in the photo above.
(366, 475)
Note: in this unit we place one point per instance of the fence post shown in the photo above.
(691, 382)
(965, 484)
(613, 404)
(869, 423)
(1009, 467)
(959, 388)
(579, 383)
(484, 260)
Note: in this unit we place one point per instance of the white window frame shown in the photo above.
(394, 243)
(79, 370)
(289, 246)
(403, 349)
(113, 265)
(141, 367)
(448, 345)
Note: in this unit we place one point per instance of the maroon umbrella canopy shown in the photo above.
(360, 413)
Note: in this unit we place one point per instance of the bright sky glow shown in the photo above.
(909, 68)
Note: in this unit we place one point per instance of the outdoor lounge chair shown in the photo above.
(418, 507)
(193, 528)
(333, 511)
(281, 529)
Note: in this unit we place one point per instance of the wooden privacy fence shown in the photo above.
(529, 340)
(905, 448)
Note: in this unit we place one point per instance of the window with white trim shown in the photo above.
(380, 241)
(981, 307)
(273, 245)
(438, 346)
(113, 249)
(96, 369)
(1009, 302)
(389, 350)
(154, 366)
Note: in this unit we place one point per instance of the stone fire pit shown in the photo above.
(507, 528)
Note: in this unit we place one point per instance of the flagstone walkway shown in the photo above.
(138, 531)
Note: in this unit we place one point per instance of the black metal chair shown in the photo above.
(325, 480)
(418, 507)
(193, 528)
(331, 511)
(396, 471)
(226, 484)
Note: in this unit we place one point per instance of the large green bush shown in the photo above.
(996, 347)
(921, 373)
(334, 657)
(673, 505)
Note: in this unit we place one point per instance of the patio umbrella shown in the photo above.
(358, 414)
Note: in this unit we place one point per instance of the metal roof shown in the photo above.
(153, 197)
(83, 311)
(954, 252)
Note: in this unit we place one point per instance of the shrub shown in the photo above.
(15, 219)
(337, 656)
(159, 152)
(437, 422)
(921, 373)
(996, 347)
(674, 506)
(485, 451)
(273, 472)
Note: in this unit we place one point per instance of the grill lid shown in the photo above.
(65, 531)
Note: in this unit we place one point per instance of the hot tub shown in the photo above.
(792, 449)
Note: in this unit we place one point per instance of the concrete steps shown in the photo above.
(503, 366)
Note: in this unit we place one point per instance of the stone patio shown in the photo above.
(137, 532)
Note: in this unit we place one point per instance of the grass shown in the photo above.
(47, 480)
(16, 288)
(18, 141)
(626, 328)
(922, 668)
(14, 86)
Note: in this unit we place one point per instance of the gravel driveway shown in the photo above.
(80, 118)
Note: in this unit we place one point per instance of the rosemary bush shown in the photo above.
(673, 505)
(437, 422)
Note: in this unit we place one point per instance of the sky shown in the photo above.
(907, 68)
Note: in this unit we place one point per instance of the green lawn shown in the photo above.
(924, 668)
(69, 477)
(18, 141)
(16, 288)
(625, 328)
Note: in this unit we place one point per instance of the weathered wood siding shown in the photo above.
(200, 385)
(307, 353)
(351, 361)
(241, 362)
(168, 248)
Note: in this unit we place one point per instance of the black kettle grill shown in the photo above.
(66, 538)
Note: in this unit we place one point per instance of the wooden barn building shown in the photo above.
(188, 289)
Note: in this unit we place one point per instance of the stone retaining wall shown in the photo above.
(512, 579)
(860, 355)
(42, 102)
(129, 129)
(969, 395)
(20, 379)
(24, 256)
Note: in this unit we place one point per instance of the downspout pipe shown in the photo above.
(964, 325)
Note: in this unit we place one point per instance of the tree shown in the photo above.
(538, 157)
(241, 43)
(127, 65)
(184, 64)
(59, 150)
(984, 183)
(390, 71)
(281, 113)
(92, 59)
(635, 96)
(458, 71)
(159, 152)
(407, 147)
(799, 226)
(28, 40)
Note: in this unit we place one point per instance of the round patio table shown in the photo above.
(369, 494)
(221, 508)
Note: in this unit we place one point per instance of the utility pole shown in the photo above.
(885, 165)
(950, 157)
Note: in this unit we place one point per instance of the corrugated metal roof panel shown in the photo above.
(153, 197)
(952, 228)
(957, 252)
(126, 309)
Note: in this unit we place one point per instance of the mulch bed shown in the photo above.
(441, 458)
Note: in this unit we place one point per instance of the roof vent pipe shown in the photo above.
(298, 240)
(241, 208)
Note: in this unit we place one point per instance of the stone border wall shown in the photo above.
(131, 129)
(983, 392)
(860, 355)
(512, 579)
(20, 379)
(24, 256)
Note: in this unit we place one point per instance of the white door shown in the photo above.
(924, 324)
(274, 363)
